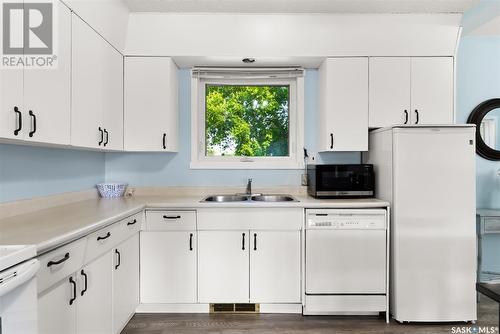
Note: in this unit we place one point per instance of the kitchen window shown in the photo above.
(247, 119)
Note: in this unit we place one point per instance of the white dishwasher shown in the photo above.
(346, 261)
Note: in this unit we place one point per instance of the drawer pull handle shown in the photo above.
(119, 262)
(72, 281)
(171, 217)
(53, 263)
(105, 237)
(190, 241)
(86, 282)
(132, 222)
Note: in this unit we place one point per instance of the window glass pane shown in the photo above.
(247, 120)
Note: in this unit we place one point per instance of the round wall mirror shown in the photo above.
(486, 117)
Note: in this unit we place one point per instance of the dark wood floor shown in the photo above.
(290, 323)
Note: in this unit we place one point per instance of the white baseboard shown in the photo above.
(172, 308)
(204, 308)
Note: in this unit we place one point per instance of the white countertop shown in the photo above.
(55, 226)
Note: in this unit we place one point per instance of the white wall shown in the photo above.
(108, 17)
(292, 35)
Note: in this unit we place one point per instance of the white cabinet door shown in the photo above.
(432, 90)
(223, 266)
(94, 309)
(275, 267)
(168, 267)
(47, 91)
(12, 114)
(88, 85)
(389, 91)
(113, 99)
(55, 313)
(97, 90)
(125, 282)
(151, 107)
(343, 104)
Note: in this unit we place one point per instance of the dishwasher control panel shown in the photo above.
(373, 220)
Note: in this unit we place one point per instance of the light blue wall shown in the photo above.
(478, 79)
(27, 172)
(160, 169)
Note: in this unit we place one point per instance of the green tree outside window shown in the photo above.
(248, 120)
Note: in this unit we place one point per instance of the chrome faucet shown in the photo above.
(249, 187)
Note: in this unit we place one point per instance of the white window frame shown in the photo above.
(296, 127)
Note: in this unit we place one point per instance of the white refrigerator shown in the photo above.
(427, 173)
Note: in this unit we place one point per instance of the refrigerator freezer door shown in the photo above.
(434, 224)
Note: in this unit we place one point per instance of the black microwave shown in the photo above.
(341, 181)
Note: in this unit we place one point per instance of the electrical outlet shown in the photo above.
(303, 179)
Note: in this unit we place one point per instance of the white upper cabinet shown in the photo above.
(411, 90)
(47, 92)
(389, 91)
(97, 90)
(151, 104)
(343, 105)
(432, 90)
(35, 102)
(11, 104)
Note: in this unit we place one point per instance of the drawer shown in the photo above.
(170, 220)
(129, 226)
(102, 241)
(60, 263)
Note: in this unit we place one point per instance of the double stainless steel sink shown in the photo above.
(246, 198)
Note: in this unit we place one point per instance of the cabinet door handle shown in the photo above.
(86, 282)
(105, 237)
(102, 136)
(72, 281)
(171, 217)
(32, 132)
(418, 116)
(133, 222)
(19, 121)
(406, 116)
(242, 241)
(164, 141)
(119, 259)
(54, 263)
(255, 241)
(190, 241)
(331, 141)
(107, 137)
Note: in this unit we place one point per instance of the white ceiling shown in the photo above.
(301, 6)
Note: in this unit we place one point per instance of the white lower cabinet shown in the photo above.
(223, 270)
(249, 266)
(168, 267)
(57, 309)
(125, 281)
(94, 305)
(93, 296)
(275, 267)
